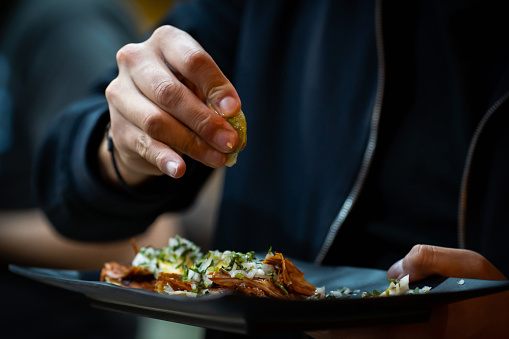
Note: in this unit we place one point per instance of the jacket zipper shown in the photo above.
(462, 209)
(371, 144)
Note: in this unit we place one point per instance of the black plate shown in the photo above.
(244, 314)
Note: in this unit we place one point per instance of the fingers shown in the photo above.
(186, 57)
(139, 155)
(424, 261)
(159, 106)
(155, 128)
(154, 80)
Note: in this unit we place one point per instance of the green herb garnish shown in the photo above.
(281, 287)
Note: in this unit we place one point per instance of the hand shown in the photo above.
(424, 261)
(483, 317)
(159, 108)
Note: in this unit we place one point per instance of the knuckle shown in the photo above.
(196, 59)
(142, 145)
(153, 123)
(163, 31)
(112, 91)
(149, 151)
(202, 124)
(128, 54)
(215, 90)
(423, 256)
(168, 93)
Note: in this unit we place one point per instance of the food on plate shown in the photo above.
(398, 287)
(182, 269)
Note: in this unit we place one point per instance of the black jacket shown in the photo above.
(312, 76)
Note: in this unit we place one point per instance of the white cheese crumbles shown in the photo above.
(236, 264)
(171, 259)
(397, 287)
(183, 257)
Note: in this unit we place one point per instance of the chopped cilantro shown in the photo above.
(186, 271)
(281, 287)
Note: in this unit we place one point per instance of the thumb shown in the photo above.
(424, 261)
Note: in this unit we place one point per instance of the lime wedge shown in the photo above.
(239, 124)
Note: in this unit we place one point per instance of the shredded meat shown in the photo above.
(288, 281)
(290, 276)
(138, 274)
(114, 271)
(134, 277)
(259, 287)
(174, 281)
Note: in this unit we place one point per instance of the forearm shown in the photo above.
(77, 186)
(27, 238)
(75, 198)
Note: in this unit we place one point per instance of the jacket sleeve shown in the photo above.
(66, 175)
(74, 198)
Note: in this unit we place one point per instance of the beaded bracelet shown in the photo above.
(111, 149)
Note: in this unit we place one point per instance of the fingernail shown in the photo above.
(228, 106)
(396, 270)
(224, 140)
(171, 168)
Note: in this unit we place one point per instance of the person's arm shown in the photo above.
(482, 317)
(27, 238)
(160, 124)
(159, 110)
(75, 199)
(164, 87)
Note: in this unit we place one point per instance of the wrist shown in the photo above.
(112, 170)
